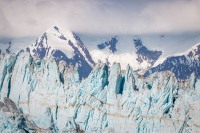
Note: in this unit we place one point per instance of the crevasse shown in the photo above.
(49, 97)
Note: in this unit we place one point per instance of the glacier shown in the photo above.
(41, 95)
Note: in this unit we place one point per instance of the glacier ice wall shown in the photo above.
(53, 98)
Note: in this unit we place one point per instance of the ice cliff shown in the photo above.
(49, 97)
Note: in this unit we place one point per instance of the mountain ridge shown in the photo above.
(69, 47)
(63, 46)
(181, 65)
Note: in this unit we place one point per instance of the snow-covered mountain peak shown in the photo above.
(194, 52)
(144, 55)
(62, 34)
(63, 45)
(54, 29)
(111, 44)
(182, 65)
(48, 42)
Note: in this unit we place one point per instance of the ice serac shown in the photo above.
(144, 54)
(7, 63)
(13, 120)
(115, 83)
(41, 89)
(65, 46)
(129, 81)
(182, 66)
(50, 97)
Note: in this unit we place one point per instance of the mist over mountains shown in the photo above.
(68, 46)
(103, 66)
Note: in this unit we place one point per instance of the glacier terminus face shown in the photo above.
(41, 95)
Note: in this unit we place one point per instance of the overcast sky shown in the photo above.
(21, 18)
(31, 18)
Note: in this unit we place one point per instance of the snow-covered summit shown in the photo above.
(65, 46)
(111, 44)
(124, 49)
(144, 54)
(182, 65)
(194, 52)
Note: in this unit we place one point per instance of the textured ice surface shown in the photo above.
(51, 96)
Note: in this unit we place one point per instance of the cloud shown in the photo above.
(19, 18)
(5, 27)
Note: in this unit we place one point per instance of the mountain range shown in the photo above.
(67, 46)
(182, 65)
(58, 85)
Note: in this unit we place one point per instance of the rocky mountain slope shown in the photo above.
(126, 50)
(68, 47)
(111, 44)
(13, 120)
(109, 100)
(144, 54)
(182, 65)
(65, 46)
